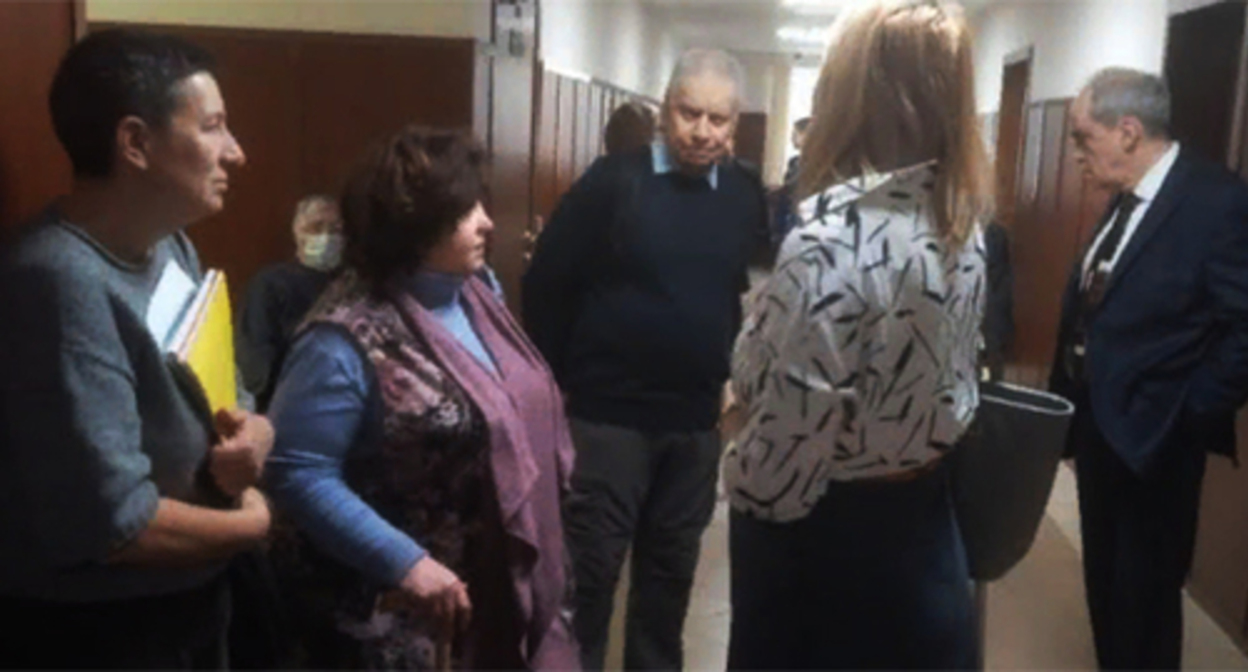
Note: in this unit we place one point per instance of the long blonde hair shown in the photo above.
(897, 89)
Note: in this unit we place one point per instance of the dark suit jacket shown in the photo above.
(1167, 351)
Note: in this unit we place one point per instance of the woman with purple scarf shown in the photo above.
(421, 444)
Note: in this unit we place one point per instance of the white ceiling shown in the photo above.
(751, 25)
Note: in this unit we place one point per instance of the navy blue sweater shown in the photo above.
(634, 293)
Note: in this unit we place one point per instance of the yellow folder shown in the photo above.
(204, 342)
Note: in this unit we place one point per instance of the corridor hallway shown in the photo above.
(312, 83)
(1037, 619)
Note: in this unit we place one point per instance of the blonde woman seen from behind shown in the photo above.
(856, 365)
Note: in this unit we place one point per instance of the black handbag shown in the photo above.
(1003, 471)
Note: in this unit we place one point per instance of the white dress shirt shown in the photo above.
(857, 358)
(1146, 191)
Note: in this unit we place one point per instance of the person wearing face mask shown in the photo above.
(279, 296)
(422, 449)
(634, 297)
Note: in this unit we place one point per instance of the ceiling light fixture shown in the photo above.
(807, 35)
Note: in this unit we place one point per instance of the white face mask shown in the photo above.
(322, 251)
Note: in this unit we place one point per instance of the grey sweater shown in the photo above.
(94, 426)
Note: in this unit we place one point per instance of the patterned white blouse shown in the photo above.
(858, 355)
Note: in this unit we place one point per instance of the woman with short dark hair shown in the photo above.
(423, 446)
(121, 504)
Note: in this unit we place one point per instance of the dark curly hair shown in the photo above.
(407, 195)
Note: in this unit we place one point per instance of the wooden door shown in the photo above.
(356, 90)
(34, 35)
(751, 138)
(1204, 62)
(546, 146)
(1010, 135)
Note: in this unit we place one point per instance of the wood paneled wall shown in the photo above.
(568, 125)
(569, 120)
(34, 35)
(1054, 214)
(546, 145)
(305, 106)
(751, 138)
(1011, 121)
(1219, 580)
(1205, 70)
(1203, 65)
(565, 134)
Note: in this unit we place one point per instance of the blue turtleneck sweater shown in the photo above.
(442, 295)
(322, 411)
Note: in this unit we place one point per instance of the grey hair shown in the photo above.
(1115, 93)
(308, 206)
(697, 63)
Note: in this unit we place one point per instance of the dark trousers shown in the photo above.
(1138, 539)
(183, 631)
(656, 492)
(259, 635)
(874, 577)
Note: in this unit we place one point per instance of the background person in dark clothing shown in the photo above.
(798, 138)
(634, 297)
(629, 129)
(999, 312)
(785, 215)
(279, 296)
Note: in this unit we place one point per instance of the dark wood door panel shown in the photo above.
(34, 35)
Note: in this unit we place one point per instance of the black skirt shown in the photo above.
(874, 578)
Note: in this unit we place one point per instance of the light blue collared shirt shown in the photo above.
(664, 164)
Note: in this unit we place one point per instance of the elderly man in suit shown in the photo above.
(1153, 349)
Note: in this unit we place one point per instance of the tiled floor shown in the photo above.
(1036, 616)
